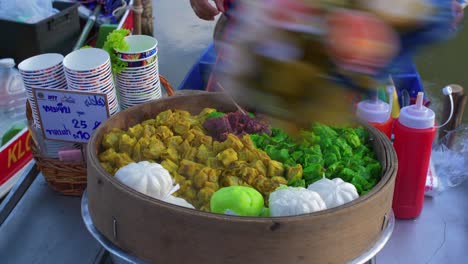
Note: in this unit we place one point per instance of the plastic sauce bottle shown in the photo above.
(377, 113)
(414, 133)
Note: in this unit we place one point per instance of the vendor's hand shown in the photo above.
(457, 10)
(204, 10)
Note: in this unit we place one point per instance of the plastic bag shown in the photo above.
(26, 11)
(12, 100)
(450, 165)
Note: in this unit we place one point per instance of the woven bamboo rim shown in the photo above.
(67, 178)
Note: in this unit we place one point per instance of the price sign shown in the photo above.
(70, 115)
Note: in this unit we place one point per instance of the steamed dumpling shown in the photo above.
(178, 201)
(334, 192)
(295, 201)
(148, 178)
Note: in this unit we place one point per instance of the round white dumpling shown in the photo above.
(334, 192)
(178, 201)
(148, 178)
(295, 201)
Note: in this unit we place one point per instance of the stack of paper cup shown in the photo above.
(42, 71)
(89, 70)
(139, 82)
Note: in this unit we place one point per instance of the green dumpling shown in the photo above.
(241, 200)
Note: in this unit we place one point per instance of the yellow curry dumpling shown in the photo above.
(170, 166)
(211, 185)
(213, 175)
(294, 172)
(206, 140)
(137, 155)
(165, 118)
(135, 131)
(229, 180)
(164, 132)
(204, 195)
(260, 167)
(248, 144)
(126, 144)
(108, 167)
(122, 159)
(154, 150)
(178, 178)
(233, 142)
(148, 131)
(204, 114)
(182, 114)
(218, 147)
(190, 154)
(249, 174)
(184, 147)
(149, 122)
(262, 156)
(248, 155)
(170, 153)
(227, 156)
(173, 141)
(275, 168)
(108, 156)
(181, 127)
(112, 139)
(279, 180)
(189, 168)
(203, 153)
(189, 136)
(213, 162)
(200, 178)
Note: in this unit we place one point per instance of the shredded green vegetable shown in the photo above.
(335, 152)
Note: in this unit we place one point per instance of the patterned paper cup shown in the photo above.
(86, 61)
(133, 74)
(141, 47)
(138, 80)
(89, 77)
(41, 63)
(142, 63)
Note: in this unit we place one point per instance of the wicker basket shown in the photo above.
(67, 178)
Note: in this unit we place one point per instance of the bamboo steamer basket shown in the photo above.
(159, 232)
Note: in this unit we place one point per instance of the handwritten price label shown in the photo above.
(70, 115)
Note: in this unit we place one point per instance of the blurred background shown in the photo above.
(183, 36)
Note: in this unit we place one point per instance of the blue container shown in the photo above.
(197, 77)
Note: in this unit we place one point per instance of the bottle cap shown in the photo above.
(7, 63)
(376, 111)
(417, 116)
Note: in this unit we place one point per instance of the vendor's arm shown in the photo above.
(205, 10)
(457, 10)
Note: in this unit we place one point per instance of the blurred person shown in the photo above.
(209, 9)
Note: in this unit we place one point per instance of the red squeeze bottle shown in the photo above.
(414, 133)
(377, 113)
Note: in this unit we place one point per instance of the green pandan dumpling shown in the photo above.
(240, 200)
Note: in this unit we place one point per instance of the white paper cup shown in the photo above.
(41, 63)
(140, 48)
(86, 60)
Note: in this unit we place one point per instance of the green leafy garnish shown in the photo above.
(215, 115)
(116, 40)
(334, 152)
